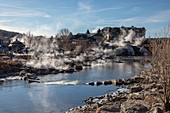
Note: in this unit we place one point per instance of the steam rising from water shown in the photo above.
(128, 38)
(38, 43)
(45, 54)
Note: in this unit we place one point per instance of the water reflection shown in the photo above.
(97, 73)
(18, 96)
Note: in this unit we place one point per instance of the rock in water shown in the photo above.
(78, 67)
(98, 83)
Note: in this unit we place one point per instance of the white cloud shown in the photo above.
(163, 16)
(118, 21)
(84, 6)
(96, 29)
(45, 30)
(106, 9)
(59, 26)
(15, 29)
(16, 10)
(5, 21)
(23, 13)
(11, 6)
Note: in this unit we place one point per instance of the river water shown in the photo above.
(57, 93)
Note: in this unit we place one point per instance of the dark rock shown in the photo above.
(117, 82)
(22, 73)
(69, 71)
(78, 67)
(61, 71)
(1, 81)
(124, 51)
(138, 79)
(98, 83)
(50, 70)
(136, 89)
(128, 81)
(32, 80)
(42, 71)
(55, 72)
(91, 83)
(107, 82)
(29, 76)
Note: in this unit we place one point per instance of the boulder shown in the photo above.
(156, 110)
(136, 89)
(109, 108)
(29, 76)
(107, 82)
(69, 70)
(136, 96)
(135, 106)
(137, 79)
(91, 83)
(98, 83)
(22, 73)
(55, 72)
(128, 81)
(117, 82)
(78, 67)
(2, 80)
(32, 80)
(42, 71)
(124, 51)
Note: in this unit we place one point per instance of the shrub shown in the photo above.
(160, 62)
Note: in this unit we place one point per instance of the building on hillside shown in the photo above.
(17, 46)
(110, 33)
(79, 39)
(4, 42)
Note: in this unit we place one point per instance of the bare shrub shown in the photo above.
(160, 62)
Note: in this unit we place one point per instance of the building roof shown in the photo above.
(17, 43)
(79, 36)
(79, 40)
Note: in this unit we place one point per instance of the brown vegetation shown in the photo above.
(160, 62)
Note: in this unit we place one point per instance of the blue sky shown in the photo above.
(47, 17)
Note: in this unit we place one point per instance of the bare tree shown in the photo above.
(160, 49)
(63, 32)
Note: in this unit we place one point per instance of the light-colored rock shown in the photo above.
(115, 108)
(156, 110)
(135, 106)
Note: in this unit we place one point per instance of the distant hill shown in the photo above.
(9, 34)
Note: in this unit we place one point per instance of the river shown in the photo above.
(57, 93)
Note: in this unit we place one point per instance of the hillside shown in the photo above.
(9, 34)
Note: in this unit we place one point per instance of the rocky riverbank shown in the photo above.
(141, 95)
